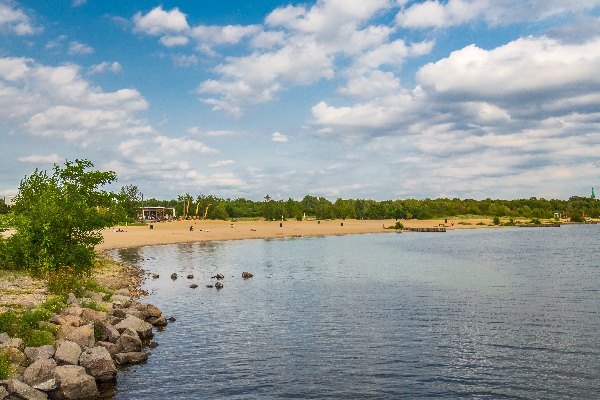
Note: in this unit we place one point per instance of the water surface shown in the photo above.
(508, 313)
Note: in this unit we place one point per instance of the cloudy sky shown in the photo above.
(373, 99)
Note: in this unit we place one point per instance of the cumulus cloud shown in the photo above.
(279, 137)
(14, 20)
(40, 159)
(52, 101)
(114, 67)
(158, 21)
(79, 48)
(184, 60)
(438, 14)
(172, 41)
(221, 163)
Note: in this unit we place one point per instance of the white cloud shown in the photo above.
(78, 3)
(57, 102)
(14, 20)
(437, 14)
(183, 60)
(174, 146)
(279, 137)
(158, 21)
(371, 84)
(221, 163)
(173, 41)
(114, 67)
(40, 159)
(215, 35)
(79, 48)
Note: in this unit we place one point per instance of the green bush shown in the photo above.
(5, 368)
(37, 338)
(496, 220)
(535, 221)
(92, 305)
(25, 325)
(55, 303)
(577, 218)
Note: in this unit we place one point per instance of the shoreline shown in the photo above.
(208, 230)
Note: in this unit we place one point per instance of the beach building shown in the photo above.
(157, 213)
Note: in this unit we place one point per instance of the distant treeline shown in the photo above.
(321, 208)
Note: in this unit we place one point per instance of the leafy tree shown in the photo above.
(58, 219)
(4, 208)
(130, 199)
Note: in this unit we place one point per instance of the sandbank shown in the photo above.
(179, 231)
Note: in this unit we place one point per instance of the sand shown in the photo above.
(179, 231)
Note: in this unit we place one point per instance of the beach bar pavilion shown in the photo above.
(157, 213)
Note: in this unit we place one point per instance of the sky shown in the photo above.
(379, 99)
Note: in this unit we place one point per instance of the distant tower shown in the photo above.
(593, 193)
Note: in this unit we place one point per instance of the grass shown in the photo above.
(5, 368)
(465, 223)
(92, 305)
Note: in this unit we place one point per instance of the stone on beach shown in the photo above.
(98, 363)
(24, 391)
(75, 383)
(67, 353)
(131, 358)
(40, 372)
(38, 353)
(143, 328)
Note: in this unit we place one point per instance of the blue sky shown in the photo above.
(373, 99)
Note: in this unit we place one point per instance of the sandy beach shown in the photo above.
(179, 231)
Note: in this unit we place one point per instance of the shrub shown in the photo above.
(496, 220)
(5, 368)
(37, 338)
(535, 221)
(92, 305)
(577, 218)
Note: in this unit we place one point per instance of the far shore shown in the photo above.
(205, 230)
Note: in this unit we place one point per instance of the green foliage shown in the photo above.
(58, 219)
(98, 331)
(577, 218)
(25, 325)
(130, 199)
(398, 225)
(4, 208)
(496, 220)
(535, 221)
(54, 304)
(92, 305)
(5, 367)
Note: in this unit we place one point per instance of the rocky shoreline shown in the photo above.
(94, 337)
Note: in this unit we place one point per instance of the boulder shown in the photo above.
(131, 358)
(112, 348)
(39, 353)
(143, 329)
(153, 311)
(75, 383)
(157, 321)
(67, 353)
(17, 343)
(93, 315)
(38, 374)
(98, 363)
(114, 320)
(67, 320)
(4, 337)
(25, 391)
(82, 335)
(109, 332)
(119, 312)
(120, 300)
(129, 342)
(73, 310)
(3, 393)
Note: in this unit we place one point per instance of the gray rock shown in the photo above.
(82, 335)
(129, 343)
(73, 310)
(153, 311)
(75, 383)
(93, 315)
(4, 337)
(67, 320)
(67, 353)
(109, 332)
(17, 343)
(112, 348)
(73, 300)
(157, 321)
(120, 300)
(3, 393)
(98, 363)
(142, 328)
(39, 372)
(39, 353)
(120, 312)
(97, 297)
(24, 391)
(48, 386)
(115, 320)
(131, 358)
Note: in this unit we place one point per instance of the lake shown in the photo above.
(489, 313)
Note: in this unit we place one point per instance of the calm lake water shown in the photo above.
(508, 313)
